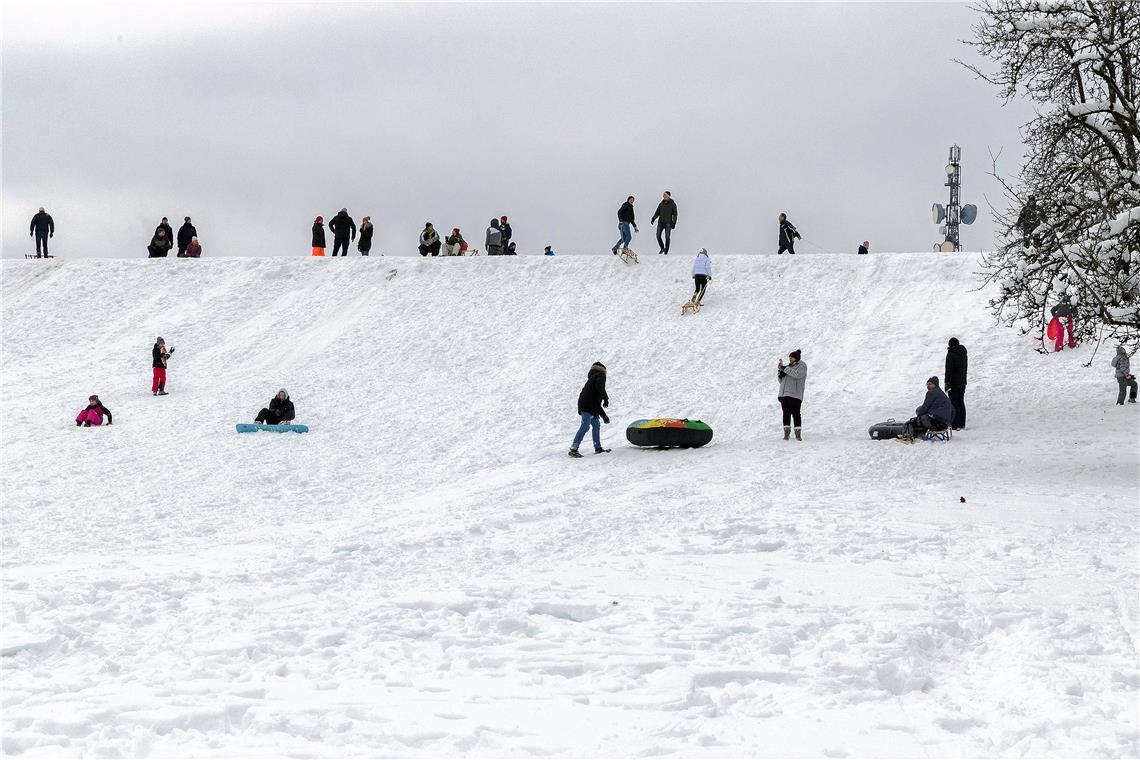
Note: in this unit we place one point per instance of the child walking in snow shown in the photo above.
(93, 413)
(591, 401)
(1124, 377)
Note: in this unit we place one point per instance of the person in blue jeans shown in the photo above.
(625, 219)
(591, 403)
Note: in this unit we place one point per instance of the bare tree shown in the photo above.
(1078, 63)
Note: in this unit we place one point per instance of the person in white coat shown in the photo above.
(702, 275)
(792, 377)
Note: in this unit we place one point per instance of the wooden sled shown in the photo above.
(628, 255)
(34, 256)
(691, 305)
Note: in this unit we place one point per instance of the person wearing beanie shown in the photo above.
(591, 408)
(702, 275)
(454, 245)
(792, 378)
(342, 227)
(935, 413)
(429, 240)
(159, 356)
(280, 410)
(505, 228)
(364, 245)
(186, 233)
(494, 243)
(1124, 377)
(954, 380)
(42, 228)
(319, 236)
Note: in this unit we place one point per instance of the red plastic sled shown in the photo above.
(1054, 329)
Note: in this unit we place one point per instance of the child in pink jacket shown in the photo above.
(93, 414)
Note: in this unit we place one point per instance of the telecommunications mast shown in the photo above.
(952, 215)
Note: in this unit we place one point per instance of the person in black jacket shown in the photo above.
(955, 381)
(591, 401)
(625, 221)
(186, 233)
(42, 227)
(168, 231)
(280, 410)
(342, 227)
(666, 218)
(158, 358)
(505, 232)
(93, 413)
(366, 230)
(788, 235)
(319, 236)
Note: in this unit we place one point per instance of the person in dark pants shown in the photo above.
(1124, 377)
(343, 229)
(935, 413)
(955, 381)
(429, 241)
(666, 218)
(165, 227)
(280, 410)
(626, 220)
(159, 356)
(788, 235)
(42, 227)
(506, 233)
(702, 275)
(793, 378)
(591, 403)
(319, 236)
(1029, 220)
(494, 240)
(364, 245)
(186, 233)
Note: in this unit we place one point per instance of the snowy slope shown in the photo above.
(427, 573)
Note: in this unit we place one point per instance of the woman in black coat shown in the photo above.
(319, 236)
(591, 401)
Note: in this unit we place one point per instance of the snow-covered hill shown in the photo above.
(427, 573)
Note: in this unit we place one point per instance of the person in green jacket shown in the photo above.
(454, 244)
(666, 218)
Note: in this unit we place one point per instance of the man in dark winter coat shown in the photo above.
(666, 218)
(1029, 220)
(42, 227)
(788, 235)
(159, 246)
(935, 413)
(955, 381)
(591, 403)
(280, 410)
(186, 233)
(343, 229)
(625, 221)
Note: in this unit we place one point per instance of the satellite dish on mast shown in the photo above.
(946, 247)
(938, 213)
(969, 213)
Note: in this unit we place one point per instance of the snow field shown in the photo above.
(426, 573)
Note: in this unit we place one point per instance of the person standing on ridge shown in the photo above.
(792, 378)
(625, 221)
(1124, 377)
(788, 235)
(666, 218)
(364, 245)
(955, 381)
(702, 275)
(319, 236)
(342, 227)
(591, 403)
(429, 241)
(42, 227)
(494, 242)
(159, 356)
(865, 248)
(507, 233)
(186, 233)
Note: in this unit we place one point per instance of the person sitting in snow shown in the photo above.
(194, 248)
(548, 251)
(454, 244)
(591, 401)
(280, 410)
(93, 414)
(935, 413)
(864, 247)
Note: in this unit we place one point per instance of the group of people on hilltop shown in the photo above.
(343, 228)
(163, 240)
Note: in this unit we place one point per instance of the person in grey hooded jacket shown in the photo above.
(1124, 377)
(935, 413)
(792, 377)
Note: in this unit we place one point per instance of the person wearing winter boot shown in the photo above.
(280, 410)
(454, 244)
(626, 220)
(42, 227)
(429, 240)
(666, 218)
(591, 408)
(1063, 313)
(955, 381)
(792, 378)
(788, 235)
(1124, 377)
(319, 236)
(93, 413)
(702, 275)
(159, 355)
(344, 231)
(935, 413)
(494, 243)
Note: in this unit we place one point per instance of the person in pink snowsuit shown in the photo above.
(1063, 313)
(93, 414)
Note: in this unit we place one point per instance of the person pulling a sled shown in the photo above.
(280, 410)
(788, 235)
(591, 403)
(93, 413)
(702, 275)
(935, 413)
(159, 356)
(626, 219)
(1124, 377)
(793, 378)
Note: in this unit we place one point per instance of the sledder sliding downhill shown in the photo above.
(932, 419)
(277, 417)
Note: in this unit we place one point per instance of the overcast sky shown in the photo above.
(253, 118)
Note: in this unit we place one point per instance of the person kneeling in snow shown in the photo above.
(935, 413)
(590, 402)
(280, 410)
(93, 414)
